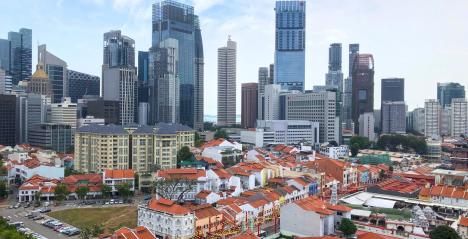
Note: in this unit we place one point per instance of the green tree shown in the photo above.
(137, 180)
(347, 227)
(184, 154)
(106, 191)
(61, 192)
(362, 142)
(3, 190)
(37, 198)
(444, 232)
(85, 233)
(10, 232)
(81, 192)
(221, 133)
(354, 149)
(198, 140)
(124, 190)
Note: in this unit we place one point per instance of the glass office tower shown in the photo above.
(21, 54)
(290, 44)
(175, 20)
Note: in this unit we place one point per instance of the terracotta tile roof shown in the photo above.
(119, 173)
(167, 206)
(184, 173)
(213, 143)
(324, 237)
(425, 192)
(205, 211)
(463, 221)
(371, 235)
(448, 191)
(222, 173)
(279, 147)
(203, 194)
(137, 233)
(259, 203)
(314, 205)
(76, 178)
(32, 163)
(338, 208)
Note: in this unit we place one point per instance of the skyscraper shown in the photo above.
(8, 122)
(393, 107)
(39, 83)
(348, 89)
(290, 44)
(21, 54)
(5, 55)
(5, 83)
(227, 83)
(56, 70)
(334, 77)
(119, 50)
(164, 98)
(393, 117)
(249, 103)
(448, 91)
(265, 77)
(119, 80)
(363, 87)
(143, 72)
(393, 89)
(459, 124)
(178, 21)
(432, 123)
(80, 84)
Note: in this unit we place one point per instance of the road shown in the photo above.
(19, 215)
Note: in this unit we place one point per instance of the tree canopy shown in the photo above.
(444, 232)
(81, 192)
(124, 190)
(184, 154)
(404, 143)
(347, 227)
(221, 133)
(10, 232)
(61, 192)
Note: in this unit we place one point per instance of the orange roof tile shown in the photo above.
(119, 173)
(463, 221)
(167, 206)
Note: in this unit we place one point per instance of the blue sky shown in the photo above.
(424, 41)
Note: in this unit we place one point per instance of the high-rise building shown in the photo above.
(249, 103)
(178, 21)
(109, 110)
(459, 117)
(448, 91)
(418, 120)
(8, 122)
(393, 117)
(363, 87)
(120, 84)
(63, 113)
(290, 41)
(39, 83)
(227, 83)
(265, 77)
(334, 77)
(271, 102)
(143, 75)
(20, 55)
(32, 109)
(353, 52)
(366, 125)
(119, 79)
(53, 136)
(393, 89)
(157, 146)
(80, 84)
(445, 121)
(164, 83)
(119, 50)
(5, 83)
(316, 107)
(56, 70)
(5, 55)
(432, 124)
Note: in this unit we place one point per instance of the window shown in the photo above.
(362, 95)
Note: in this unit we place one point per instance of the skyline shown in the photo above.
(430, 48)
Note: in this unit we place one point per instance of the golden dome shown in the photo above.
(40, 73)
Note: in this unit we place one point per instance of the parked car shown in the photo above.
(38, 217)
(45, 210)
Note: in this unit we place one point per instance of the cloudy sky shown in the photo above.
(424, 41)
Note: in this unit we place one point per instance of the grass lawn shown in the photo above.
(111, 218)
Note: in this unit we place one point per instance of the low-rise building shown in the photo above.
(281, 132)
(112, 178)
(311, 217)
(136, 233)
(334, 152)
(167, 219)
